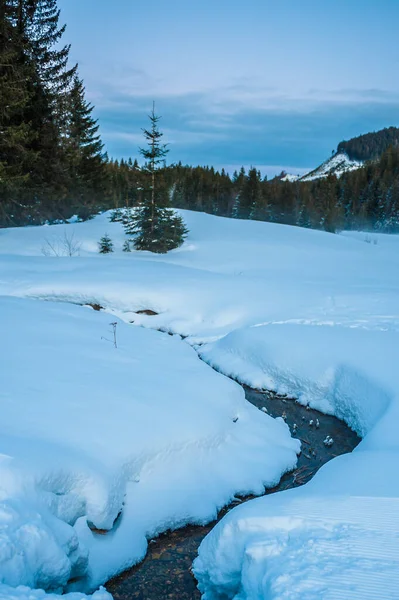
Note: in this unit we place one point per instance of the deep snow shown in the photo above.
(305, 312)
(89, 431)
(25, 593)
(336, 537)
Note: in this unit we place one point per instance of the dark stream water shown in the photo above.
(166, 570)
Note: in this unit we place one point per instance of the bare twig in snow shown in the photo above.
(66, 245)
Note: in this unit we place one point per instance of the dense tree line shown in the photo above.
(51, 162)
(370, 146)
(367, 198)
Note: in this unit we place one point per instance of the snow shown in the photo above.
(338, 370)
(336, 537)
(229, 274)
(290, 177)
(89, 431)
(148, 430)
(24, 593)
(336, 165)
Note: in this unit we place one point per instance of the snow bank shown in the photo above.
(90, 432)
(338, 370)
(24, 593)
(300, 546)
(337, 536)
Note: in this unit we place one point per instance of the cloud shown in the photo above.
(238, 124)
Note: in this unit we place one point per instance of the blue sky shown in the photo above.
(274, 84)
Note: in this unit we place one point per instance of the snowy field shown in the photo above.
(145, 436)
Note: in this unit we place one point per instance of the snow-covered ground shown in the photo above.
(336, 165)
(88, 430)
(338, 536)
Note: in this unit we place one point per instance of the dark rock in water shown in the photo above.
(95, 306)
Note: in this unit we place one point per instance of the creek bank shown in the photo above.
(165, 572)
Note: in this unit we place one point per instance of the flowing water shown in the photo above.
(166, 570)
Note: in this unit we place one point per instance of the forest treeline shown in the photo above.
(367, 198)
(52, 163)
(370, 146)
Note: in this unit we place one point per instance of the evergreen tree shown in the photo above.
(15, 133)
(238, 184)
(49, 86)
(116, 215)
(50, 153)
(105, 245)
(83, 149)
(155, 226)
(51, 164)
(250, 195)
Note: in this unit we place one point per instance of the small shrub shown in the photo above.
(105, 245)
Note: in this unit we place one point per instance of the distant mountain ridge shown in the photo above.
(352, 154)
(370, 146)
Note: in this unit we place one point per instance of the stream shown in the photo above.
(165, 572)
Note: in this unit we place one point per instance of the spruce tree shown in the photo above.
(238, 184)
(15, 133)
(44, 34)
(116, 216)
(153, 224)
(105, 245)
(46, 110)
(83, 150)
(51, 164)
(250, 194)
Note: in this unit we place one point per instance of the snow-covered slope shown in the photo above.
(88, 429)
(336, 165)
(290, 177)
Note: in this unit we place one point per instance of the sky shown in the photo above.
(271, 84)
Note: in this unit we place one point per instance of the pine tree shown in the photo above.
(238, 183)
(155, 227)
(250, 195)
(41, 25)
(116, 216)
(13, 96)
(105, 245)
(51, 164)
(46, 110)
(83, 149)
(16, 134)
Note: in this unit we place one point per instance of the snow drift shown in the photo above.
(337, 536)
(135, 440)
(144, 437)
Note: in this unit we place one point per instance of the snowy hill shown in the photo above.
(290, 177)
(352, 154)
(336, 165)
(142, 437)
